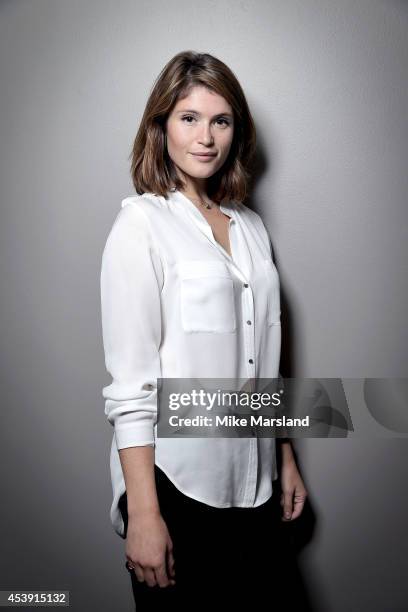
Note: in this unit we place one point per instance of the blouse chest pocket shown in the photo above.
(273, 292)
(206, 296)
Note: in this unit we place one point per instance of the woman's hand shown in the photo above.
(293, 491)
(149, 549)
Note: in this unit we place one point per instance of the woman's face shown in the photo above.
(202, 122)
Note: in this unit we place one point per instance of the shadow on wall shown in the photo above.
(293, 538)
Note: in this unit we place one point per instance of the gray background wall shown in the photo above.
(326, 81)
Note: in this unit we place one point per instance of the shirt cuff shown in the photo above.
(141, 435)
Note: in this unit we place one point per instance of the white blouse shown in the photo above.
(175, 304)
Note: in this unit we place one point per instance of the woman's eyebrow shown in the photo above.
(188, 110)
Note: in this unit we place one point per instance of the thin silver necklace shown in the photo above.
(202, 202)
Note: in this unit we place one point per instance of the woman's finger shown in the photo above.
(162, 578)
(287, 505)
(170, 564)
(138, 571)
(149, 576)
(299, 503)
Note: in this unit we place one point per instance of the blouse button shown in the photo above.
(246, 285)
(249, 322)
(251, 361)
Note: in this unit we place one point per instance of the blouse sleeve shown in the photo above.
(131, 281)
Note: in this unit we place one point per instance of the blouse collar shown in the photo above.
(226, 208)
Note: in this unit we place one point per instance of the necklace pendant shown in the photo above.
(208, 206)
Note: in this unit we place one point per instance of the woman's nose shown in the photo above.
(206, 136)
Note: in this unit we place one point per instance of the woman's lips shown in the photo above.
(205, 157)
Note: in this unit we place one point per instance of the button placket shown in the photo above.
(249, 338)
(250, 488)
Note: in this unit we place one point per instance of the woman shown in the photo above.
(188, 290)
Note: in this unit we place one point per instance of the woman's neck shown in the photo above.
(196, 189)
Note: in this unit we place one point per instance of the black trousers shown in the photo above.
(223, 556)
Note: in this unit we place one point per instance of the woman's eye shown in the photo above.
(190, 119)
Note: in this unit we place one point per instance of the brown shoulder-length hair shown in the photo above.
(152, 169)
